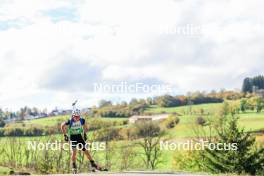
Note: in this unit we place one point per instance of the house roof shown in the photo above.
(153, 117)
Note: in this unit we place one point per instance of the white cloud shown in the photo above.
(126, 40)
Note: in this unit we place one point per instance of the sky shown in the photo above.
(55, 51)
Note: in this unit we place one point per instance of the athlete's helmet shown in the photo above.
(76, 112)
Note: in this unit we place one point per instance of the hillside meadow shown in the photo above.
(115, 157)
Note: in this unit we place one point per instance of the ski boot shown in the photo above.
(95, 167)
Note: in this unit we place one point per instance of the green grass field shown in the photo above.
(55, 120)
(208, 108)
(250, 121)
(4, 170)
(187, 128)
(50, 121)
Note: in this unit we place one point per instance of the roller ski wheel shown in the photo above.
(74, 171)
(99, 169)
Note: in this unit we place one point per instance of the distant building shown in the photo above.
(66, 112)
(86, 110)
(140, 118)
(9, 120)
(258, 92)
(41, 115)
(30, 117)
(57, 112)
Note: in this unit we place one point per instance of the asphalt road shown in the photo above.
(132, 174)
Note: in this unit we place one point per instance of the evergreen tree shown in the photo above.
(247, 85)
(258, 81)
(246, 159)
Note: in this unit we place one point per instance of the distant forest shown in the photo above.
(250, 83)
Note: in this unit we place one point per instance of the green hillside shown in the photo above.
(187, 128)
(208, 108)
(251, 121)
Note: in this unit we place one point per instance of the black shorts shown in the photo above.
(77, 141)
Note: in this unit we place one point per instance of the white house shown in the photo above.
(139, 118)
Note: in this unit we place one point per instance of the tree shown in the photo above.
(23, 113)
(35, 111)
(123, 104)
(243, 104)
(244, 159)
(225, 109)
(2, 115)
(151, 134)
(258, 81)
(255, 103)
(250, 83)
(168, 101)
(259, 104)
(128, 157)
(2, 122)
(104, 103)
(149, 101)
(235, 107)
(247, 85)
(133, 101)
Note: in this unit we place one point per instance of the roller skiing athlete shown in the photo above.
(76, 135)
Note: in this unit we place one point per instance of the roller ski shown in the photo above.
(74, 171)
(74, 168)
(95, 167)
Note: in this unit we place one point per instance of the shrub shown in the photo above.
(147, 129)
(171, 121)
(23, 131)
(95, 124)
(108, 134)
(33, 131)
(200, 121)
(2, 123)
(125, 122)
(51, 130)
(186, 160)
(127, 133)
(14, 132)
(2, 132)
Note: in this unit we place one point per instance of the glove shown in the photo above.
(85, 137)
(66, 138)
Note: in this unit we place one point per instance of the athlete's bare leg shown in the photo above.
(88, 155)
